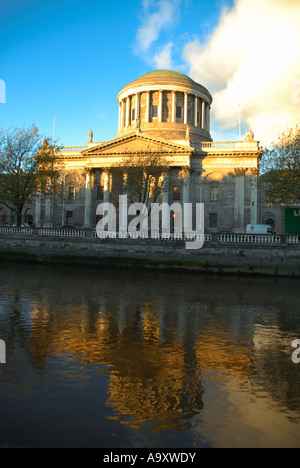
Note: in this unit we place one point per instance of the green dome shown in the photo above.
(165, 74)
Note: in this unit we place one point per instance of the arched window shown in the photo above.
(270, 222)
(29, 217)
(269, 218)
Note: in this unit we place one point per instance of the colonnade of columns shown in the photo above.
(183, 178)
(106, 180)
(200, 119)
(107, 183)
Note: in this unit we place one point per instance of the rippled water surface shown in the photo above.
(107, 358)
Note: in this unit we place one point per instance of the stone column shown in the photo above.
(48, 204)
(207, 117)
(160, 106)
(137, 105)
(186, 188)
(165, 209)
(127, 111)
(173, 106)
(147, 106)
(123, 214)
(239, 203)
(88, 199)
(122, 114)
(120, 117)
(200, 182)
(185, 108)
(106, 186)
(184, 175)
(196, 112)
(253, 200)
(203, 123)
(37, 217)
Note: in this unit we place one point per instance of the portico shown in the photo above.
(105, 160)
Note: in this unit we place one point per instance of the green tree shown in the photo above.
(280, 169)
(29, 167)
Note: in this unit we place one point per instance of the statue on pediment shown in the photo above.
(250, 136)
(91, 136)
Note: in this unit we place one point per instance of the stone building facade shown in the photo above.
(167, 112)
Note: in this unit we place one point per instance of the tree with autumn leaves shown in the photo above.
(280, 169)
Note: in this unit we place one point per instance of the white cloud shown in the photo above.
(252, 59)
(163, 59)
(157, 15)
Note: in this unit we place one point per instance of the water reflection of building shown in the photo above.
(219, 355)
(157, 350)
(155, 367)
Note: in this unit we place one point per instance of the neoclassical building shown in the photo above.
(163, 112)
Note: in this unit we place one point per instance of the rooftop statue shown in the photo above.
(249, 137)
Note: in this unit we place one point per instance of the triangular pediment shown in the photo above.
(136, 143)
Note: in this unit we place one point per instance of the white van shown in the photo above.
(260, 229)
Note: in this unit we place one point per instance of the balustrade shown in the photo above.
(208, 237)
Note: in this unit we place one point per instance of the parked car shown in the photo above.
(69, 226)
(23, 225)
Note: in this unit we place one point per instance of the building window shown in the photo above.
(198, 117)
(176, 193)
(99, 192)
(178, 112)
(213, 220)
(69, 217)
(214, 193)
(154, 111)
(71, 193)
(132, 114)
(3, 216)
(165, 113)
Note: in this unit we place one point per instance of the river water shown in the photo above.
(109, 358)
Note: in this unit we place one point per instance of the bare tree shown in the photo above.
(29, 167)
(143, 178)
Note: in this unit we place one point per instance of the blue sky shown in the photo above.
(70, 58)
